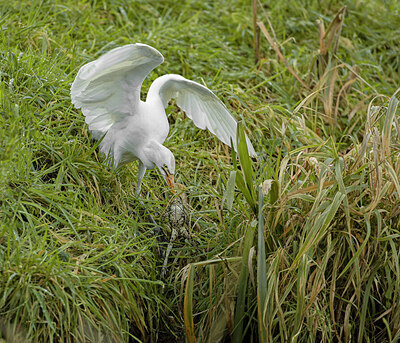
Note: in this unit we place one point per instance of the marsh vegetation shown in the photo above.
(300, 244)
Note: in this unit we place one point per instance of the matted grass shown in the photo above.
(312, 255)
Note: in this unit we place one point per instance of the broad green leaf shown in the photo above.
(245, 161)
(230, 191)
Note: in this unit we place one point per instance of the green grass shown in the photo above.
(310, 256)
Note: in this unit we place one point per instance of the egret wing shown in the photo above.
(108, 89)
(201, 105)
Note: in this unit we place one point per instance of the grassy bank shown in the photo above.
(311, 256)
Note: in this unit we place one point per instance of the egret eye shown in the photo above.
(165, 168)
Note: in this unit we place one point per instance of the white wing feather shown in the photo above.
(108, 89)
(200, 104)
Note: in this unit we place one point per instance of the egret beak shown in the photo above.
(170, 180)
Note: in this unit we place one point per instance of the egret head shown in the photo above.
(167, 167)
(161, 157)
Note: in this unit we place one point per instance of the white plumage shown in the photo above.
(108, 92)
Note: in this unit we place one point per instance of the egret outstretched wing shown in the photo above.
(200, 104)
(108, 89)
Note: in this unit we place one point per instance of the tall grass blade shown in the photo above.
(301, 297)
(366, 299)
(230, 190)
(242, 186)
(188, 306)
(387, 127)
(240, 313)
(359, 250)
(245, 163)
(261, 271)
(321, 224)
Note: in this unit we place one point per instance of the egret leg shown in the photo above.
(157, 231)
(142, 171)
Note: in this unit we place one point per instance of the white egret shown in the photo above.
(108, 92)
